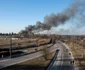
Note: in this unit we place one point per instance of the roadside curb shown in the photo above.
(27, 57)
(71, 54)
(53, 60)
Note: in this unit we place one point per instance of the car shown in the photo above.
(58, 49)
(69, 53)
(72, 61)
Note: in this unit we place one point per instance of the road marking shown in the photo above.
(4, 60)
(53, 48)
(62, 55)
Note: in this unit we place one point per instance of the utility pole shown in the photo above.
(11, 45)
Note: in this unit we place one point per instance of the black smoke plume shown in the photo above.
(55, 20)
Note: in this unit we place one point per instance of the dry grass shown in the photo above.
(31, 50)
(5, 42)
(39, 47)
(78, 53)
(38, 43)
(35, 64)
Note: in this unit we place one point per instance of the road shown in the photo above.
(12, 61)
(63, 59)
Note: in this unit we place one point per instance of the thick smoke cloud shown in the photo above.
(76, 10)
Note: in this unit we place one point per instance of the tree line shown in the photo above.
(7, 34)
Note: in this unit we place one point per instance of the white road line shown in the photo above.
(12, 61)
(4, 60)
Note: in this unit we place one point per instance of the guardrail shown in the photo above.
(53, 60)
(23, 47)
(27, 57)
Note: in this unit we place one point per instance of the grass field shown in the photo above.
(5, 42)
(31, 50)
(35, 64)
(38, 43)
(78, 49)
(40, 63)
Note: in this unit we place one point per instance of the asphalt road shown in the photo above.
(64, 59)
(12, 61)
